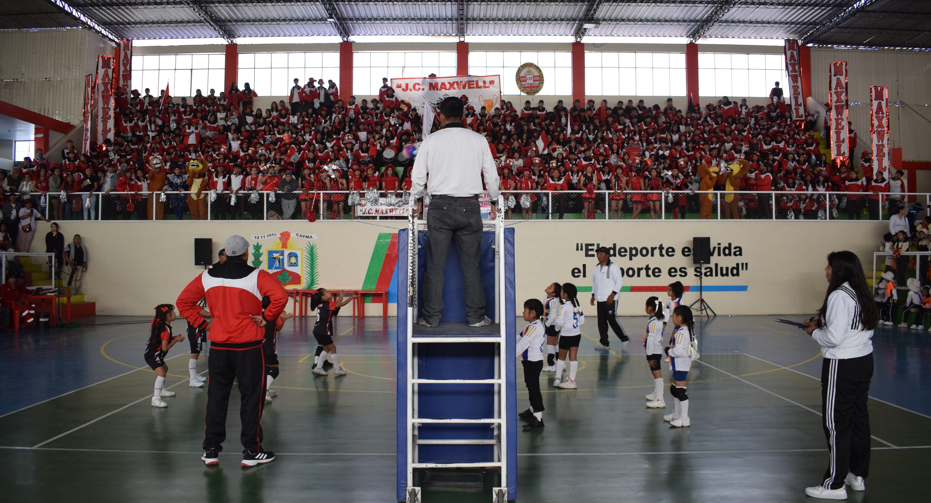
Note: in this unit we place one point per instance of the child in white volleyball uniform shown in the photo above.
(569, 323)
(531, 344)
(550, 311)
(680, 361)
(653, 346)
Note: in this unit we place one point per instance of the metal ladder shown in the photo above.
(497, 423)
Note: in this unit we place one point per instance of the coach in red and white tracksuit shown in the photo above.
(234, 292)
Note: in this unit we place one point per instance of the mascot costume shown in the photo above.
(197, 183)
(158, 178)
(708, 177)
(734, 173)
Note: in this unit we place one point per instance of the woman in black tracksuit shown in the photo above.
(844, 329)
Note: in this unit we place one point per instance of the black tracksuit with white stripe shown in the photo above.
(845, 383)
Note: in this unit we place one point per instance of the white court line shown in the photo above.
(819, 380)
(149, 397)
(391, 454)
(79, 389)
(780, 396)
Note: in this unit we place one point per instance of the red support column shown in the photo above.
(578, 73)
(462, 59)
(231, 66)
(345, 71)
(42, 140)
(804, 60)
(691, 73)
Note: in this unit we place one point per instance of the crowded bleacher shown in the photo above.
(325, 150)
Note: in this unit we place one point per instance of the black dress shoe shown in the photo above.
(533, 424)
(526, 415)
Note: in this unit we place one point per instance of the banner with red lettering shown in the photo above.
(879, 129)
(124, 67)
(794, 71)
(103, 97)
(837, 108)
(481, 92)
(87, 112)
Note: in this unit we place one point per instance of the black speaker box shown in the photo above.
(203, 251)
(701, 251)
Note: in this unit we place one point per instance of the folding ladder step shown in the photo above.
(456, 441)
(489, 464)
(488, 339)
(456, 421)
(457, 381)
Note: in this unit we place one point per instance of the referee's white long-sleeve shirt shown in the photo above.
(456, 158)
(606, 280)
(843, 336)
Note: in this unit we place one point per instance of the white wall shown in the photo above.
(905, 73)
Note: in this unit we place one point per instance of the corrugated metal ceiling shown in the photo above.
(883, 23)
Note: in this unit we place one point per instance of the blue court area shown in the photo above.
(76, 424)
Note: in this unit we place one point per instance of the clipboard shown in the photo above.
(793, 323)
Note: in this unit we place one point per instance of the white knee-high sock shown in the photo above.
(335, 358)
(678, 407)
(268, 382)
(684, 405)
(573, 369)
(192, 367)
(323, 356)
(159, 385)
(658, 388)
(560, 365)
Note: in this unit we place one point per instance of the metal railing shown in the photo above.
(519, 205)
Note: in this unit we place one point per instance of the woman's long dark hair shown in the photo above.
(846, 268)
(159, 321)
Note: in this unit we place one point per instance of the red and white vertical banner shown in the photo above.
(124, 66)
(879, 129)
(837, 90)
(103, 97)
(88, 112)
(794, 71)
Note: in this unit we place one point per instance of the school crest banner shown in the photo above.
(103, 97)
(879, 128)
(794, 71)
(124, 66)
(87, 112)
(837, 107)
(426, 94)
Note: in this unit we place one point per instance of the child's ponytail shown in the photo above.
(657, 306)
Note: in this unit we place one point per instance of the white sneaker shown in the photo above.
(569, 384)
(550, 368)
(268, 398)
(903, 325)
(625, 344)
(651, 397)
(670, 417)
(319, 371)
(657, 404)
(165, 392)
(557, 382)
(855, 483)
(200, 378)
(272, 393)
(826, 494)
(194, 383)
(339, 371)
(913, 327)
(602, 348)
(680, 422)
(157, 402)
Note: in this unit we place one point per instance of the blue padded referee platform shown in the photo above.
(456, 399)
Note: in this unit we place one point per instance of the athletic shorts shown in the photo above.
(552, 332)
(569, 341)
(155, 359)
(653, 361)
(679, 375)
(323, 339)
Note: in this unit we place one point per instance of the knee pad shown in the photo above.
(674, 390)
(683, 394)
(273, 371)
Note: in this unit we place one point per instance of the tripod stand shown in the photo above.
(703, 307)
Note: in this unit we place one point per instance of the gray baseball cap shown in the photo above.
(236, 246)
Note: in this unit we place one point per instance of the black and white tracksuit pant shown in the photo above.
(845, 386)
(607, 315)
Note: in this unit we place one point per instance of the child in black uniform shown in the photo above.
(327, 308)
(271, 349)
(160, 341)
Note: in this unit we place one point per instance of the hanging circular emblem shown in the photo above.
(529, 78)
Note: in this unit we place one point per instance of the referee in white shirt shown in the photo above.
(606, 285)
(455, 158)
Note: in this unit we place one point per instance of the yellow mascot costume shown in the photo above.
(197, 183)
(738, 170)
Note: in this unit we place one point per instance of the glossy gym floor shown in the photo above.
(76, 424)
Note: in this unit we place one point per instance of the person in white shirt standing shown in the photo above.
(606, 285)
(456, 158)
(844, 329)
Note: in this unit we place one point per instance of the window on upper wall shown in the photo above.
(23, 149)
(273, 73)
(634, 74)
(370, 67)
(739, 75)
(556, 68)
(183, 73)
